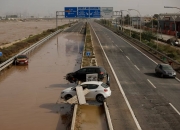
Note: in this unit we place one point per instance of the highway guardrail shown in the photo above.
(145, 47)
(29, 49)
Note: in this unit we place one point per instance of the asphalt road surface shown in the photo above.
(152, 99)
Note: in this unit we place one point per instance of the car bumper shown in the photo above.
(22, 63)
(169, 75)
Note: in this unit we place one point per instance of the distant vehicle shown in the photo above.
(21, 60)
(178, 34)
(98, 91)
(80, 75)
(165, 70)
(173, 41)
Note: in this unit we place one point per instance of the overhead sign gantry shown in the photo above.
(82, 12)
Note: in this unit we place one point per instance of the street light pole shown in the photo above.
(129, 20)
(152, 24)
(175, 27)
(140, 19)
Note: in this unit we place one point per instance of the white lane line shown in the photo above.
(119, 48)
(137, 67)
(174, 108)
(177, 79)
(120, 87)
(151, 83)
(130, 44)
(127, 57)
(135, 48)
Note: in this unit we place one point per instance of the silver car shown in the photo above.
(165, 70)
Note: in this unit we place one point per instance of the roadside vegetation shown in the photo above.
(14, 49)
(88, 60)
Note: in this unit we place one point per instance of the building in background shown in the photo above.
(11, 17)
(169, 23)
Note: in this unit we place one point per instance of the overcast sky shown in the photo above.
(49, 7)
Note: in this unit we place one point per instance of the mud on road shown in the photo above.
(11, 31)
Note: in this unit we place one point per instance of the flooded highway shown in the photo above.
(29, 95)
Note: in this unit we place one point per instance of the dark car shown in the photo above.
(173, 41)
(20, 60)
(165, 70)
(80, 75)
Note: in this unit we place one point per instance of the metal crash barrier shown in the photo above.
(26, 51)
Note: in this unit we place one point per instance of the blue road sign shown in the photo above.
(88, 53)
(83, 12)
(1, 53)
(70, 12)
(94, 12)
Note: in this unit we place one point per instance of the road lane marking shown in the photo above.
(119, 48)
(135, 48)
(127, 57)
(177, 79)
(137, 67)
(120, 87)
(112, 41)
(151, 83)
(130, 45)
(174, 108)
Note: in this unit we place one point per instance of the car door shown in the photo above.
(93, 91)
(157, 69)
(160, 69)
(80, 74)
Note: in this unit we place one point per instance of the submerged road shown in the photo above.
(154, 101)
(29, 95)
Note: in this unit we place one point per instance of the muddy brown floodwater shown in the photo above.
(29, 95)
(91, 117)
(11, 31)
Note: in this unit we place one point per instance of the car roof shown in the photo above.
(163, 64)
(21, 56)
(92, 82)
(92, 67)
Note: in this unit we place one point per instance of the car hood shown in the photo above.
(67, 89)
(70, 73)
(22, 59)
(169, 71)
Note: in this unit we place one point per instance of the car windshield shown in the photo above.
(104, 85)
(167, 67)
(22, 56)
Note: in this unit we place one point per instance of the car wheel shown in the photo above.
(156, 73)
(100, 98)
(67, 97)
(162, 75)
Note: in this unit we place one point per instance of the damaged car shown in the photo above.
(80, 75)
